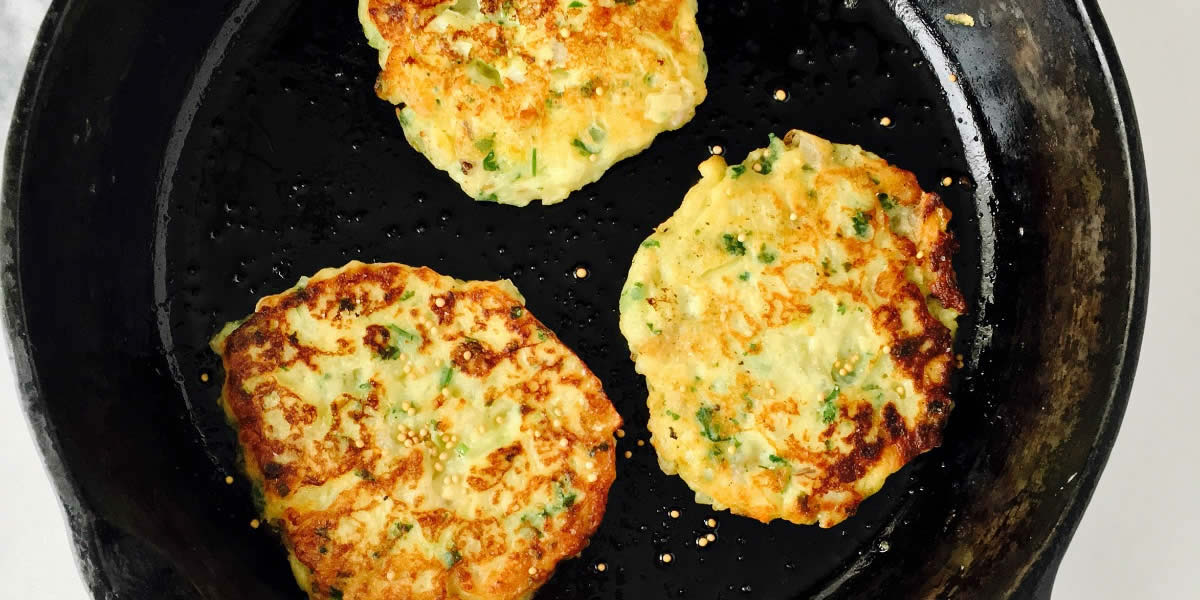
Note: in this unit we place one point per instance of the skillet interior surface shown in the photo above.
(181, 196)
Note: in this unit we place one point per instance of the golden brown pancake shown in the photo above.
(794, 320)
(417, 436)
(520, 100)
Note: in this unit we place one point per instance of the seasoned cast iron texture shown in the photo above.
(173, 162)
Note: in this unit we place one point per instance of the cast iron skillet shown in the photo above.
(171, 162)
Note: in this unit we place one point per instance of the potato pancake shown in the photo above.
(416, 436)
(794, 320)
(520, 100)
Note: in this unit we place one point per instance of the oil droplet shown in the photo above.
(601, 567)
(711, 523)
(885, 122)
(674, 513)
(254, 523)
(666, 558)
(884, 546)
(204, 376)
(581, 272)
(228, 480)
(781, 95)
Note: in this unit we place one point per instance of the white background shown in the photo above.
(1141, 535)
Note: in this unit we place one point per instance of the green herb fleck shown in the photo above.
(766, 163)
(576, 4)
(484, 74)
(732, 245)
(777, 460)
(626, 2)
(874, 179)
(710, 429)
(885, 201)
(461, 449)
(334, 593)
(565, 500)
(673, 415)
(399, 529)
(517, 312)
(860, 224)
(638, 291)
(489, 162)
(737, 171)
(841, 308)
(447, 375)
(828, 268)
(650, 244)
(486, 144)
(597, 133)
(765, 256)
(745, 276)
(582, 147)
(407, 295)
(653, 330)
(388, 352)
(542, 335)
(489, 198)
(534, 162)
(452, 557)
(589, 88)
(364, 474)
(829, 408)
(412, 337)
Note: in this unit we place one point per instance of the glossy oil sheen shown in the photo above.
(158, 188)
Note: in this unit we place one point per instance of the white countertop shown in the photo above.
(1141, 535)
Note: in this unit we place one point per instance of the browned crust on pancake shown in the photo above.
(423, 61)
(264, 345)
(898, 269)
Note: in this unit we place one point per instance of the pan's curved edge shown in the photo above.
(1039, 580)
(80, 518)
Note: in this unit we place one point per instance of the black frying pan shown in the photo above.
(171, 162)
